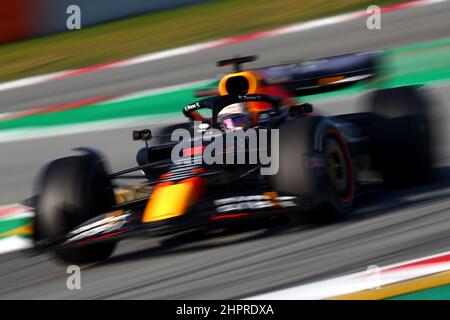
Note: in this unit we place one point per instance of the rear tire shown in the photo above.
(71, 191)
(400, 135)
(316, 166)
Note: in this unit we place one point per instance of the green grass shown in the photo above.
(157, 31)
(437, 293)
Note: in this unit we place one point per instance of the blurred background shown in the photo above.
(125, 29)
(136, 63)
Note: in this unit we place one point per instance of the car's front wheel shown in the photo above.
(71, 191)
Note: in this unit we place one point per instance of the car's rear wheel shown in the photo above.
(401, 135)
(316, 166)
(71, 191)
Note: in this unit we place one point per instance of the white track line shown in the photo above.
(157, 91)
(14, 243)
(31, 133)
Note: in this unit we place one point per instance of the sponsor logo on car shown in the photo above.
(110, 223)
(254, 202)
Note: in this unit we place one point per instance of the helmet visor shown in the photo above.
(235, 121)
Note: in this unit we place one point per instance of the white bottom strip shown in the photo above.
(371, 279)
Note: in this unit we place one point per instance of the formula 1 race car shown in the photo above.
(279, 157)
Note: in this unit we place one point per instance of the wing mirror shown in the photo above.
(142, 134)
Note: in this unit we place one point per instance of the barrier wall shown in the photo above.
(21, 19)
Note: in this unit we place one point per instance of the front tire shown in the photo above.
(71, 191)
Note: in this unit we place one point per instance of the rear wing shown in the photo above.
(325, 74)
(305, 78)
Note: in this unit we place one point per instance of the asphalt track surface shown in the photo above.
(387, 227)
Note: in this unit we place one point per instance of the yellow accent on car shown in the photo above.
(273, 196)
(330, 80)
(169, 201)
(250, 77)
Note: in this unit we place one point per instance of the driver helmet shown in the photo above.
(234, 117)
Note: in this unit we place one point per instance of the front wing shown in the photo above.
(217, 211)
